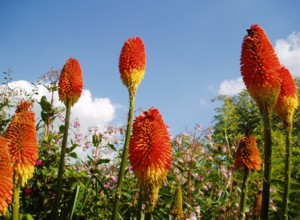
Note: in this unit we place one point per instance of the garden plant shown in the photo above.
(245, 166)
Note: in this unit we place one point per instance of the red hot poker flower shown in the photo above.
(70, 83)
(260, 68)
(288, 101)
(6, 183)
(247, 155)
(132, 63)
(150, 152)
(23, 145)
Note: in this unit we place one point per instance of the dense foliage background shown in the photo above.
(201, 166)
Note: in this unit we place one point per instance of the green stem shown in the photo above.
(287, 174)
(266, 115)
(140, 204)
(15, 203)
(124, 158)
(57, 198)
(190, 185)
(148, 215)
(244, 194)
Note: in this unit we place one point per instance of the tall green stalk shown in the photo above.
(149, 215)
(244, 194)
(15, 202)
(124, 158)
(57, 198)
(266, 115)
(287, 176)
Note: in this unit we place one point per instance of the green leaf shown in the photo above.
(26, 217)
(111, 146)
(75, 201)
(61, 129)
(73, 155)
(70, 149)
(95, 140)
(45, 105)
(100, 161)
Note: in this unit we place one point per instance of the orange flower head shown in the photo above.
(132, 63)
(247, 155)
(288, 101)
(23, 145)
(70, 83)
(150, 152)
(6, 183)
(24, 106)
(260, 68)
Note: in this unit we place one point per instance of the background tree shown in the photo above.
(238, 114)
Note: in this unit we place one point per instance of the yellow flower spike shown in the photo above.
(260, 68)
(288, 101)
(23, 145)
(132, 63)
(70, 83)
(6, 183)
(150, 153)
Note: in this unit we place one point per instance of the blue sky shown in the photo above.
(192, 47)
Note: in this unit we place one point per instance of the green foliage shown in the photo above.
(239, 114)
(201, 166)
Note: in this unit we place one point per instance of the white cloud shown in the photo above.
(88, 111)
(91, 111)
(288, 51)
(231, 87)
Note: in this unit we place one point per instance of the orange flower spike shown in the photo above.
(6, 183)
(150, 152)
(247, 155)
(24, 106)
(23, 145)
(288, 101)
(150, 147)
(70, 83)
(260, 68)
(132, 63)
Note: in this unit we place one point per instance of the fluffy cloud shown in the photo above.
(288, 51)
(88, 110)
(231, 87)
(93, 111)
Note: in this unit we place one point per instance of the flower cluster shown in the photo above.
(288, 101)
(70, 83)
(260, 68)
(132, 63)
(150, 152)
(247, 155)
(23, 145)
(6, 183)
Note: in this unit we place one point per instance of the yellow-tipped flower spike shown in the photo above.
(6, 182)
(23, 145)
(150, 152)
(260, 68)
(70, 83)
(132, 63)
(288, 101)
